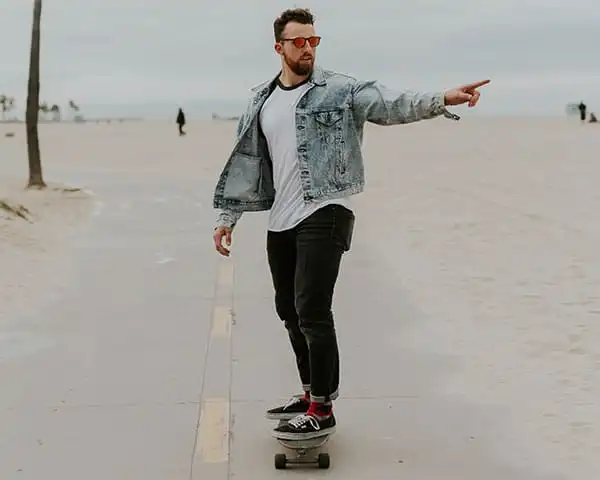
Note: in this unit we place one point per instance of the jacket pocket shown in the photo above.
(328, 118)
(243, 178)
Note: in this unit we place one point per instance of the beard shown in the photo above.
(303, 67)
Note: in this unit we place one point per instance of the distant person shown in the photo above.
(298, 154)
(582, 109)
(181, 121)
(593, 118)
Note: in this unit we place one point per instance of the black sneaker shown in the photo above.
(296, 406)
(305, 427)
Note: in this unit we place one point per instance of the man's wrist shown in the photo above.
(442, 104)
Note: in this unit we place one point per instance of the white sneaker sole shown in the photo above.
(304, 436)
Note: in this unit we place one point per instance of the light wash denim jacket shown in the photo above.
(330, 120)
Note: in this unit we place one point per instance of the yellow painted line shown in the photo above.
(213, 434)
(221, 325)
(225, 278)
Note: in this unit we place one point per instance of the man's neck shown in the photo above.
(290, 79)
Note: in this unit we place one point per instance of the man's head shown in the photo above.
(295, 40)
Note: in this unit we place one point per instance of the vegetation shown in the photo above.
(53, 113)
(6, 105)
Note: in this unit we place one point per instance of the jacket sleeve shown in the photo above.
(240, 124)
(376, 103)
(227, 218)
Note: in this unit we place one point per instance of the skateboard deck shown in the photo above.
(302, 450)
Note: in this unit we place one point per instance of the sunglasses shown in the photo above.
(299, 42)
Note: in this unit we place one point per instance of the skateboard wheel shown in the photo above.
(280, 461)
(323, 460)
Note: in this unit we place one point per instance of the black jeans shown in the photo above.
(304, 263)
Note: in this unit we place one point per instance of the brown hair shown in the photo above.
(299, 15)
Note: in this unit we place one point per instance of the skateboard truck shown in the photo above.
(302, 450)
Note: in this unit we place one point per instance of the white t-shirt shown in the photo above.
(278, 122)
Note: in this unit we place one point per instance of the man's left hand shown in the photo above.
(464, 94)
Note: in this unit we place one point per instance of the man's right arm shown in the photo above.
(240, 125)
(225, 217)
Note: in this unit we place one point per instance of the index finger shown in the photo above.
(476, 84)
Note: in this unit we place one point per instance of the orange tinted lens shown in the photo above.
(299, 42)
(314, 41)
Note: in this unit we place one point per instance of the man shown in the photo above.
(298, 154)
(582, 111)
(181, 122)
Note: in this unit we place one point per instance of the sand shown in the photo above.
(34, 224)
(492, 226)
(497, 228)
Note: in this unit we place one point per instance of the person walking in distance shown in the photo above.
(582, 111)
(298, 154)
(181, 122)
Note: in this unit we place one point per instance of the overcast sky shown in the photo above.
(540, 54)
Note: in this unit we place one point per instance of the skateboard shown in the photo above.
(301, 450)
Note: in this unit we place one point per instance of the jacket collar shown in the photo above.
(317, 78)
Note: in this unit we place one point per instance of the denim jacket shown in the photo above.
(330, 120)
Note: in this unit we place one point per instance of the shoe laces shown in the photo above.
(300, 420)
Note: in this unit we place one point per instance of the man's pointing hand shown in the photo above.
(464, 94)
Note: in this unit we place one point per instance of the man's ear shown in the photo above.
(277, 47)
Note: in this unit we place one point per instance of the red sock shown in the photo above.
(306, 396)
(319, 409)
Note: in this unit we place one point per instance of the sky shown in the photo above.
(148, 57)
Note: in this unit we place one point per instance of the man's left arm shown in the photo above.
(376, 103)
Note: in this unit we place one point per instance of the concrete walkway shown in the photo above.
(160, 359)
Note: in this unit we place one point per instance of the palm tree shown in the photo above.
(3, 105)
(6, 105)
(75, 108)
(11, 103)
(33, 101)
(55, 110)
(45, 109)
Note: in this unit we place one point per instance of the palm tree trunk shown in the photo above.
(33, 98)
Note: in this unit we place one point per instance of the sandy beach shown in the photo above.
(481, 235)
(34, 225)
